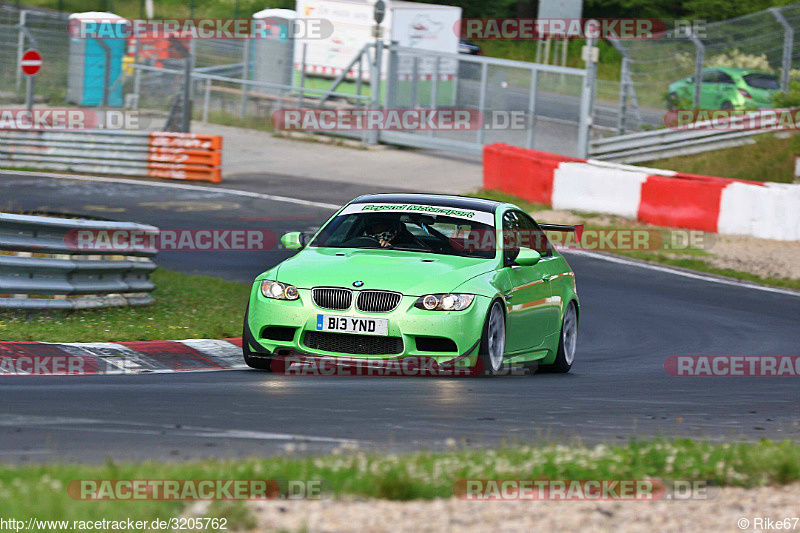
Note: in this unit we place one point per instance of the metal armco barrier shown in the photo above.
(40, 270)
(184, 156)
(659, 144)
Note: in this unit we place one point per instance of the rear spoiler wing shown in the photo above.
(577, 229)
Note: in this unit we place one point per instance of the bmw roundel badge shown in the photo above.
(358, 284)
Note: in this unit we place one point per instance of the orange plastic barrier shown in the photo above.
(185, 156)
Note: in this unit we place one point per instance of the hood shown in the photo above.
(413, 274)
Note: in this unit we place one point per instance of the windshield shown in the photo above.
(409, 231)
(762, 81)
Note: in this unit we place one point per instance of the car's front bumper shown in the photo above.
(406, 322)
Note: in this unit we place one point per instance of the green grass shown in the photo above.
(186, 307)
(771, 158)
(608, 68)
(250, 121)
(40, 490)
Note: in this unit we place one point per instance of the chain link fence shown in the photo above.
(45, 31)
(523, 104)
(224, 91)
(767, 40)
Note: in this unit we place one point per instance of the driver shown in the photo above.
(388, 231)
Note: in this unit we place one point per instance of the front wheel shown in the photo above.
(567, 343)
(493, 341)
(672, 101)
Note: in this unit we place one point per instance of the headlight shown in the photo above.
(444, 302)
(279, 291)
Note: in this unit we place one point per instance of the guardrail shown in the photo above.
(184, 156)
(41, 268)
(658, 144)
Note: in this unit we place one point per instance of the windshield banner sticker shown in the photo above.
(477, 216)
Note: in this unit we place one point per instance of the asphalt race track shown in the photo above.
(633, 318)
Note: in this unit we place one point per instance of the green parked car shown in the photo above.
(727, 88)
(393, 277)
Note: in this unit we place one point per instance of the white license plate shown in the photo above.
(349, 324)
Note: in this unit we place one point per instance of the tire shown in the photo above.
(672, 101)
(493, 341)
(727, 106)
(258, 363)
(567, 343)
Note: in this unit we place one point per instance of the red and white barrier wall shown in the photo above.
(660, 197)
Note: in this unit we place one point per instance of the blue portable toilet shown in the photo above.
(87, 57)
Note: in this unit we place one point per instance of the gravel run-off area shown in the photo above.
(761, 257)
(722, 513)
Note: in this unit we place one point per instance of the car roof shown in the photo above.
(444, 200)
(738, 70)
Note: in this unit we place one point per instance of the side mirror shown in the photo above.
(292, 241)
(528, 257)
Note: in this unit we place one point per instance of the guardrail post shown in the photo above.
(206, 100)
(245, 77)
(532, 107)
(587, 101)
(137, 82)
(302, 76)
(788, 43)
(482, 98)
(186, 108)
(360, 73)
(391, 77)
(375, 87)
(698, 67)
(435, 90)
(414, 81)
(20, 47)
(186, 119)
(623, 94)
(29, 92)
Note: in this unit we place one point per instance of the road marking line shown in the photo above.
(233, 192)
(677, 272)
(91, 424)
(24, 452)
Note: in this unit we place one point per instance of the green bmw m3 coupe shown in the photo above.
(458, 282)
